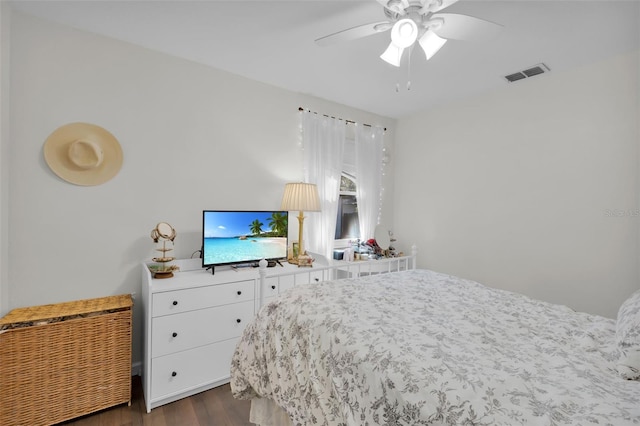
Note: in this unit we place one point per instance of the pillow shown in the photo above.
(628, 337)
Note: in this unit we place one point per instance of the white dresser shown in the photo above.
(193, 320)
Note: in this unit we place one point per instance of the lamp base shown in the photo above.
(303, 260)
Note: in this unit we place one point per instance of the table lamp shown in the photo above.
(302, 197)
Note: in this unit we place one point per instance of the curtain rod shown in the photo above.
(338, 118)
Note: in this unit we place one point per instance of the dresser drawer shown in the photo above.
(271, 287)
(312, 276)
(179, 372)
(174, 333)
(286, 282)
(173, 302)
(278, 284)
(282, 283)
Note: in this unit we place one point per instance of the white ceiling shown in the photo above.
(273, 42)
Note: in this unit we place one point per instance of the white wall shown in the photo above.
(193, 138)
(533, 188)
(5, 23)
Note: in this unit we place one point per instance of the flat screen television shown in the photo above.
(233, 237)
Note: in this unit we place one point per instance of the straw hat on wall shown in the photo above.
(83, 154)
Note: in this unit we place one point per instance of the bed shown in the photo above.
(422, 348)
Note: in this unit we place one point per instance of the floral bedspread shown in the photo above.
(422, 348)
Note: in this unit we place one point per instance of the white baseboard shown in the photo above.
(136, 368)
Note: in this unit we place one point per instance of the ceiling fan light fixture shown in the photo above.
(396, 6)
(404, 33)
(431, 43)
(392, 55)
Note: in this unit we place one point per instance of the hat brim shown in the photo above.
(56, 149)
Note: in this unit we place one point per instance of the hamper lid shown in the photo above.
(59, 310)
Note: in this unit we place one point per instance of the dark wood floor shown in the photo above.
(215, 407)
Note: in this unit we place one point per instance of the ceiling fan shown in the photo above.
(411, 20)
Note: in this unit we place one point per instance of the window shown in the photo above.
(347, 224)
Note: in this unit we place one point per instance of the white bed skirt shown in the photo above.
(265, 412)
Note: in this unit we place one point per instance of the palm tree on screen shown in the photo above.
(278, 223)
(256, 227)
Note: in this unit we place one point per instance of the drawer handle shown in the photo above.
(273, 287)
(174, 374)
(317, 279)
(174, 334)
(239, 292)
(175, 302)
(238, 320)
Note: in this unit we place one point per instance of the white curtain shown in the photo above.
(369, 145)
(323, 147)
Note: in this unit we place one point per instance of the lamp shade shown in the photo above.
(431, 43)
(301, 196)
(392, 55)
(404, 33)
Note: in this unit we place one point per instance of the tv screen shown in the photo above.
(234, 237)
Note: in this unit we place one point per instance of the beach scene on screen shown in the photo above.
(242, 236)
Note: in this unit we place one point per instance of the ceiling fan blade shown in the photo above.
(354, 33)
(468, 28)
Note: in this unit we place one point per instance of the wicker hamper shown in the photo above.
(64, 360)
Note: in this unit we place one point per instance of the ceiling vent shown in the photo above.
(529, 72)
